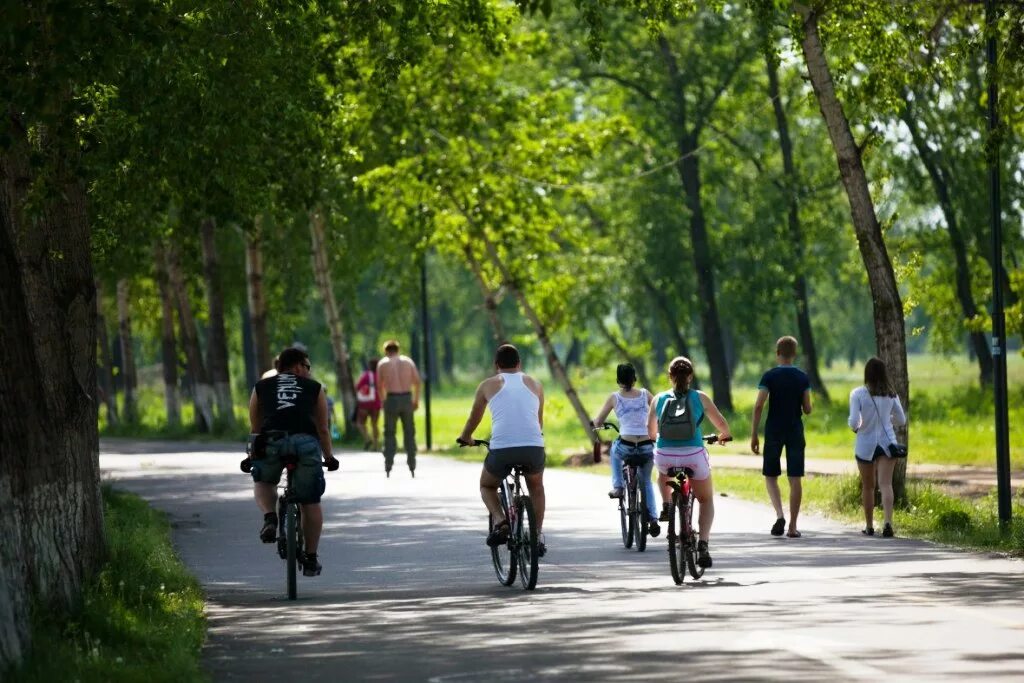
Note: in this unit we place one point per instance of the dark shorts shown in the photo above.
(793, 442)
(308, 479)
(499, 461)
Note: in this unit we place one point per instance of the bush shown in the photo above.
(953, 521)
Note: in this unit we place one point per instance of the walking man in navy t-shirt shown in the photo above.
(788, 392)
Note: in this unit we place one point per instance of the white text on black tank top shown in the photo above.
(288, 390)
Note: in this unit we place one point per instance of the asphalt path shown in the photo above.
(408, 592)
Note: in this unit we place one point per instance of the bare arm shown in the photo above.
(602, 414)
(652, 424)
(807, 402)
(476, 413)
(540, 406)
(255, 416)
(320, 419)
(755, 442)
(711, 410)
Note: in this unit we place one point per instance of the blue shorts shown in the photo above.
(308, 479)
(793, 442)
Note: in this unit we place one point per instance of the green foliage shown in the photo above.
(140, 618)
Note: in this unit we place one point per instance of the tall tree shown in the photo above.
(216, 343)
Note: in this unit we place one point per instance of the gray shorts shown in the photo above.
(500, 461)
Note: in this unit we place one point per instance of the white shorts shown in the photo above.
(695, 458)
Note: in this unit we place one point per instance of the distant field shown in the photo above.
(951, 419)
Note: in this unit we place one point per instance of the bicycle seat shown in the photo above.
(679, 471)
(636, 460)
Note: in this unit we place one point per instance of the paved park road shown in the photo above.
(408, 592)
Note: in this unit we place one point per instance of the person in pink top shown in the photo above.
(368, 406)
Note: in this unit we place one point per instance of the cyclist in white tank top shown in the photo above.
(516, 401)
(631, 406)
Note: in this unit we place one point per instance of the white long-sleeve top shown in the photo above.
(874, 423)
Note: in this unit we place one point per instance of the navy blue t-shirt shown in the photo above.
(786, 385)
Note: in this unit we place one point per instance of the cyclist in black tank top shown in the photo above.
(292, 403)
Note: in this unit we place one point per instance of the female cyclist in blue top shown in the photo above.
(690, 452)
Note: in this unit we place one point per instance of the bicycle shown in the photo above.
(519, 553)
(290, 542)
(682, 546)
(634, 519)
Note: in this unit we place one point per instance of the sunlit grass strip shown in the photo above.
(141, 618)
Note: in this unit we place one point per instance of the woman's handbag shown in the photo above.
(896, 450)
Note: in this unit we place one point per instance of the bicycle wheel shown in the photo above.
(675, 542)
(300, 539)
(640, 514)
(291, 541)
(630, 497)
(282, 515)
(624, 524)
(502, 556)
(696, 571)
(526, 543)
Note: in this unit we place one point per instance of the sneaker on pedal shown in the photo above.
(615, 492)
(268, 534)
(542, 548)
(310, 565)
(498, 535)
(653, 528)
(664, 512)
(703, 556)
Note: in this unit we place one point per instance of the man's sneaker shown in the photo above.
(542, 548)
(887, 531)
(310, 565)
(653, 528)
(498, 535)
(703, 556)
(615, 492)
(268, 534)
(665, 514)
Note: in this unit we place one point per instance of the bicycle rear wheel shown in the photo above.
(502, 556)
(629, 495)
(627, 539)
(640, 514)
(292, 546)
(696, 571)
(526, 543)
(675, 541)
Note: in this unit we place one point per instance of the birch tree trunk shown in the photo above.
(202, 390)
(129, 380)
(890, 334)
(618, 345)
(216, 343)
(796, 236)
(51, 515)
(105, 379)
(322, 274)
(490, 302)
(168, 345)
(256, 297)
(557, 369)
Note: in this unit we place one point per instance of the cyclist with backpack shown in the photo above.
(674, 423)
(631, 406)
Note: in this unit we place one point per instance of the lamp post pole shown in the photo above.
(998, 316)
(427, 369)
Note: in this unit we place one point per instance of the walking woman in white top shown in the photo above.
(874, 410)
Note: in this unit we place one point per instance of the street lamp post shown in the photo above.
(427, 369)
(998, 317)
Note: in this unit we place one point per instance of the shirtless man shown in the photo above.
(398, 382)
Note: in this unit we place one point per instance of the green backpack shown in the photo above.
(676, 423)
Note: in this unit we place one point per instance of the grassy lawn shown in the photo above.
(141, 618)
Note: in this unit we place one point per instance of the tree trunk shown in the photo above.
(216, 342)
(796, 235)
(202, 391)
(322, 273)
(256, 297)
(557, 370)
(668, 316)
(490, 302)
(105, 369)
(130, 380)
(688, 168)
(890, 334)
(168, 345)
(51, 515)
(968, 308)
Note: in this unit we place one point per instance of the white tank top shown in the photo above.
(514, 414)
(632, 414)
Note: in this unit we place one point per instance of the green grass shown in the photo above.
(140, 619)
(951, 418)
(930, 512)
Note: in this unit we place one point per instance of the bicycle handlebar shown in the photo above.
(476, 442)
(606, 425)
(330, 465)
(713, 438)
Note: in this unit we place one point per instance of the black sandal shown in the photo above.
(499, 534)
(779, 527)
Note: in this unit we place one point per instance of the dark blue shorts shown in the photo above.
(793, 442)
